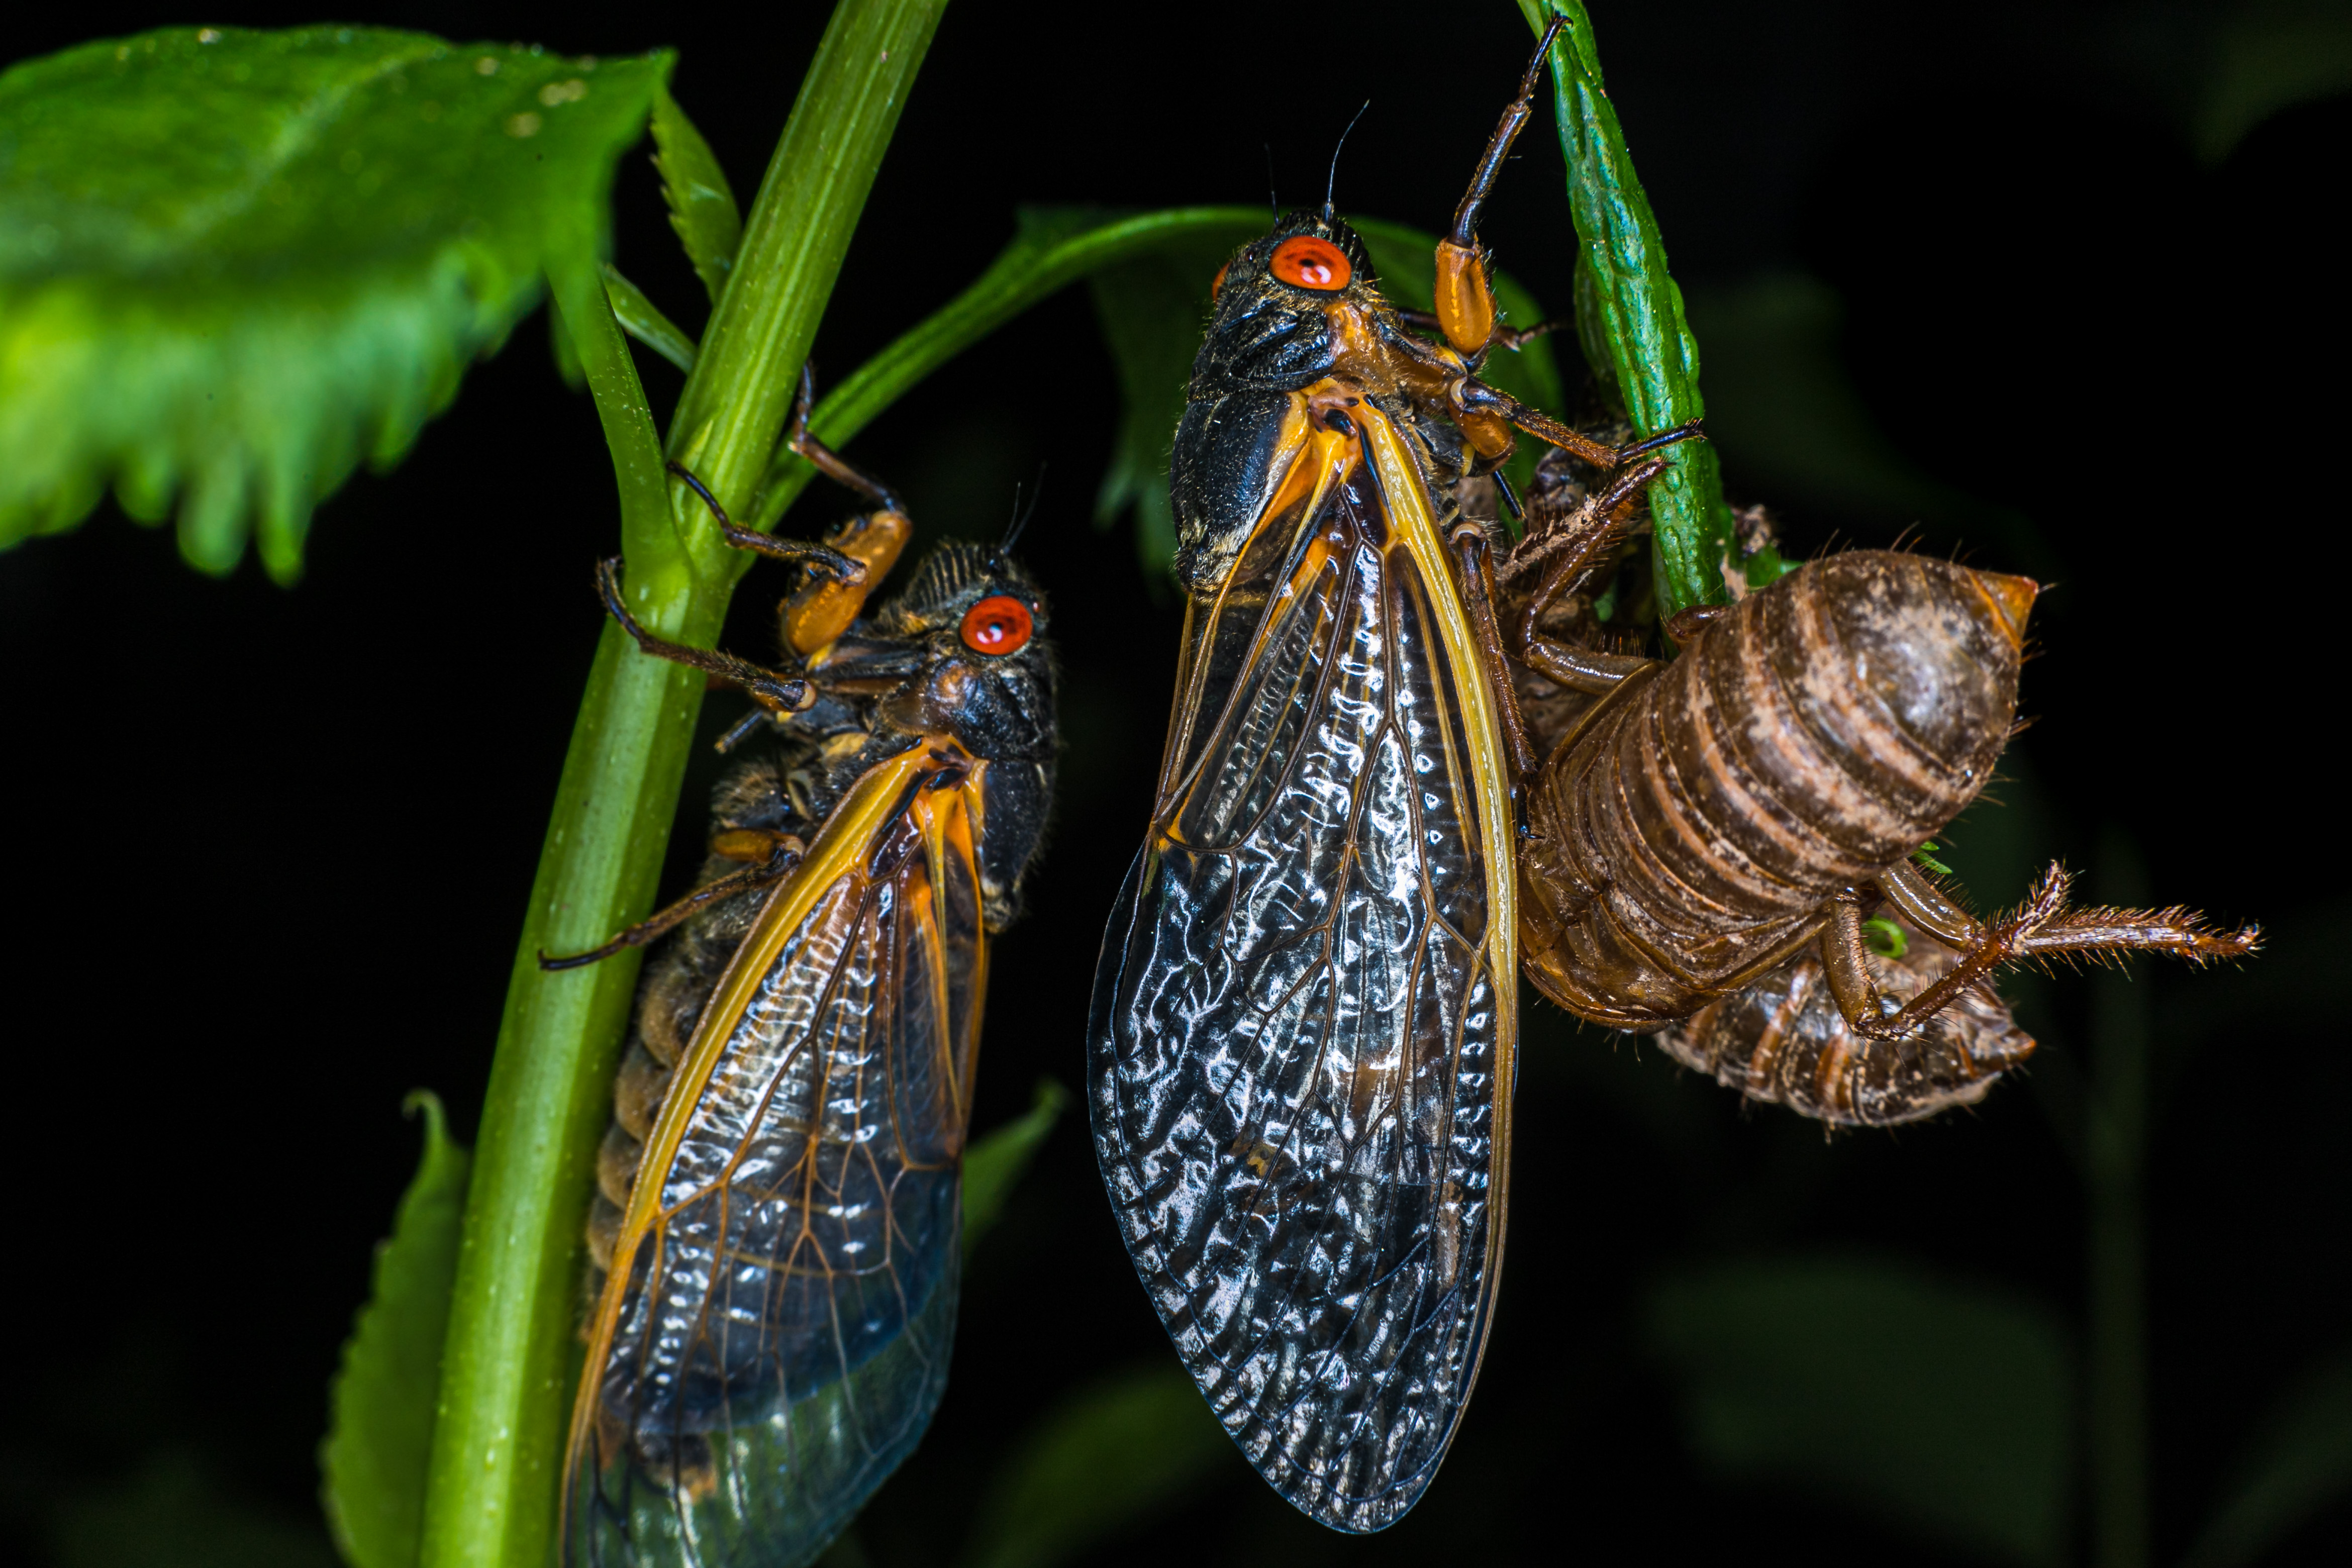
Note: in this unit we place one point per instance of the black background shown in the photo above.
(263, 852)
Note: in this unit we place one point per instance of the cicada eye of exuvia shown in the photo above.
(1307, 262)
(999, 624)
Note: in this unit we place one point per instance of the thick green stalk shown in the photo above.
(507, 1363)
(2114, 1147)
(510, 1358)
(749, 365)
(1623, 278)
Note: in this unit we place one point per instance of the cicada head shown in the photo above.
(1274, 301)
(986, 661)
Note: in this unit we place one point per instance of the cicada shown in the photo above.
(1702, 823)
(1303, 1033)
(776, 1232)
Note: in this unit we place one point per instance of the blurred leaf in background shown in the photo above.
(1153, 310)
(174, 1513)
(1100, 1462)
(994, 1163)
(2298, 1464)
(234, 264)
(380, 1429)
(1943, 1407)
(1794, 431)
(2265, 56)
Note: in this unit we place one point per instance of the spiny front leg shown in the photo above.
(2043, 927)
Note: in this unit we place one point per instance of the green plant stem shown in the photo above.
(506, 1363)
(2115, 1161)
(510, 1358)
(1654, 359)
(749, 364)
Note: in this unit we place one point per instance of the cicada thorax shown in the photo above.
(775, 1235)
(1782, 1040)
(1689, 832)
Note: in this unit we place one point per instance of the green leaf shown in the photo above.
(371, 1465)
(994, 1163)
(232, 264)
(1101, 1461)
(1941, 1407)
(2299, 1463)
(701, 203)
(512, 1354)
(1653, 360)
(643, 321)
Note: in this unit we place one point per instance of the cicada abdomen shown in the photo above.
(777, 1231)
(1302, 1045)
(1782, 1040)
(1705, 821)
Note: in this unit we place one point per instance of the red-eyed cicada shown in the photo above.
(1303, 1023)
(776, 1232)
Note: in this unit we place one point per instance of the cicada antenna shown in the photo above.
(1022, 514)
(1332, 180)
(1273, 192)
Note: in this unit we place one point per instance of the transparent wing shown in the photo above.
(1297, 1034)
(775, 1334)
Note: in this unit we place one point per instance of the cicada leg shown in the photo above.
(827, 461)
(820, 557)
(775, 856)
(1512, 338)
(2043, 927)
(772, 690)
(1478, 403)
(1470, 546)
(1576, 545)
(817, 612)
(1466, 304)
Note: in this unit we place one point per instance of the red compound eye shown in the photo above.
(1308, 262)
(999, 624)
(1217, 284)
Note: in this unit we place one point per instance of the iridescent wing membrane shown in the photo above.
(1301, 1056)
(774, 1333)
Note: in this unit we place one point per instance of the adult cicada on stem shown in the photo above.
(1301, 1049)
(1707, 836)
(776, 1234)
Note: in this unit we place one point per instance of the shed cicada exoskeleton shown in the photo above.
(1782, 1040)
(1301, 1049)
(1708, 836)
(775, 1237)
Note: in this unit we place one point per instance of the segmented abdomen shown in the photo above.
(1782, 1040)
(1687, 833)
